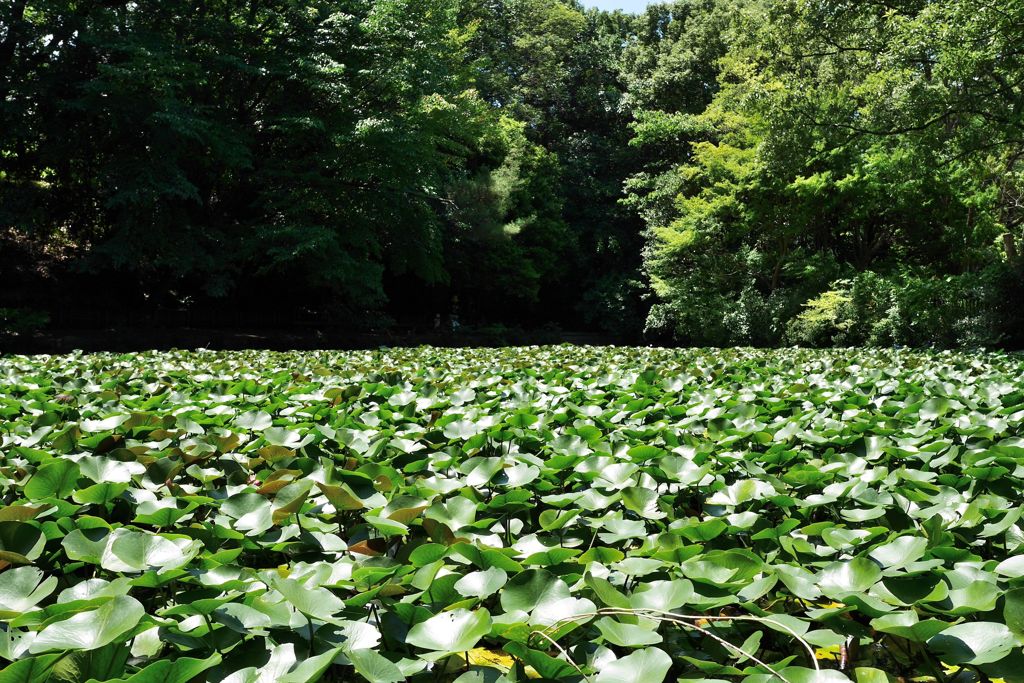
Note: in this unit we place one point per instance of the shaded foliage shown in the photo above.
(709, 171)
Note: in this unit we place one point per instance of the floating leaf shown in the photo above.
(92, 629)
(22, 588)
(455, 631)
(314, 601)
(482, 584)
(375, 668)
(54, 479)
(649, 665)
(975, 642)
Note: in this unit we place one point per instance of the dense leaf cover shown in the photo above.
(602, 514)
(711, 172)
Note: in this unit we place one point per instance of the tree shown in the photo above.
(199, 146)
(843, 139)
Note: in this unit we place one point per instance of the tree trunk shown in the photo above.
(1010, 246)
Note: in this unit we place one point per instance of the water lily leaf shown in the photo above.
(900, 552)
(56, 478)
(254, 420)
(87, 544)
(107, 470)
(375, 668)
(1013, 611)
(138, 551)
(285, 438)
(1012, 567)
(908, 625)
(180, 670)
(551, 557)
(865, 674)
(531, 588)
(461, 429)
(642, 501)
(455, 631)
(342, 497)
(93, 629)
(565, 614)
(662, 595)
(386, 527)
(934, 407)
(289, 500)
(482, 674)
(977, 596)
(481, 584)
(975, 642)
(253, 513)
(23, 588)
(546, 666)
(103, 425)
(357, 635)
(404, 509)
(798, 581)
(607, 593)
(30, 669)
(643, 453)
(626, 635)
(315, 601)
(99, 494)
(20, 542)
(160, 513)
(241, 618)
(103, 663)
(427, 553)
(649, 665)
(361, 514)
(852, 576)
(284, 667)
(602, 555)
(311, 669)
(741, 492)
(799, 674)
(21, 513)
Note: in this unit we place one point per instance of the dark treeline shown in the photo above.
(710, 172)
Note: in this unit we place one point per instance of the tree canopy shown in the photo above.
(707, 172)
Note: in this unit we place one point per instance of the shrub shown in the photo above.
(910, 309)
(825, 319)
(18, 321)
(756, 319)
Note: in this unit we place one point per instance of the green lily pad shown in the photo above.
(456, 631)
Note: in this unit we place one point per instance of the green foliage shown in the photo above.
(825, 318)
(339, 152)
(307, 141)
(970, 310)
(835, 145)
(614, 513)
(19, 321)
(708, 170)
(509, 223)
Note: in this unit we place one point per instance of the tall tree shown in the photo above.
(845, 138)
(203, 143)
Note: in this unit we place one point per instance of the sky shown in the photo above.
(627, 5)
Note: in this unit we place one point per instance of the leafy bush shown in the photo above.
(756, 319)
(614, 304)
(18, 321)
(826, 319)
(908, 309)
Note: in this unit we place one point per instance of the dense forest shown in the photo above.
(713, 172)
